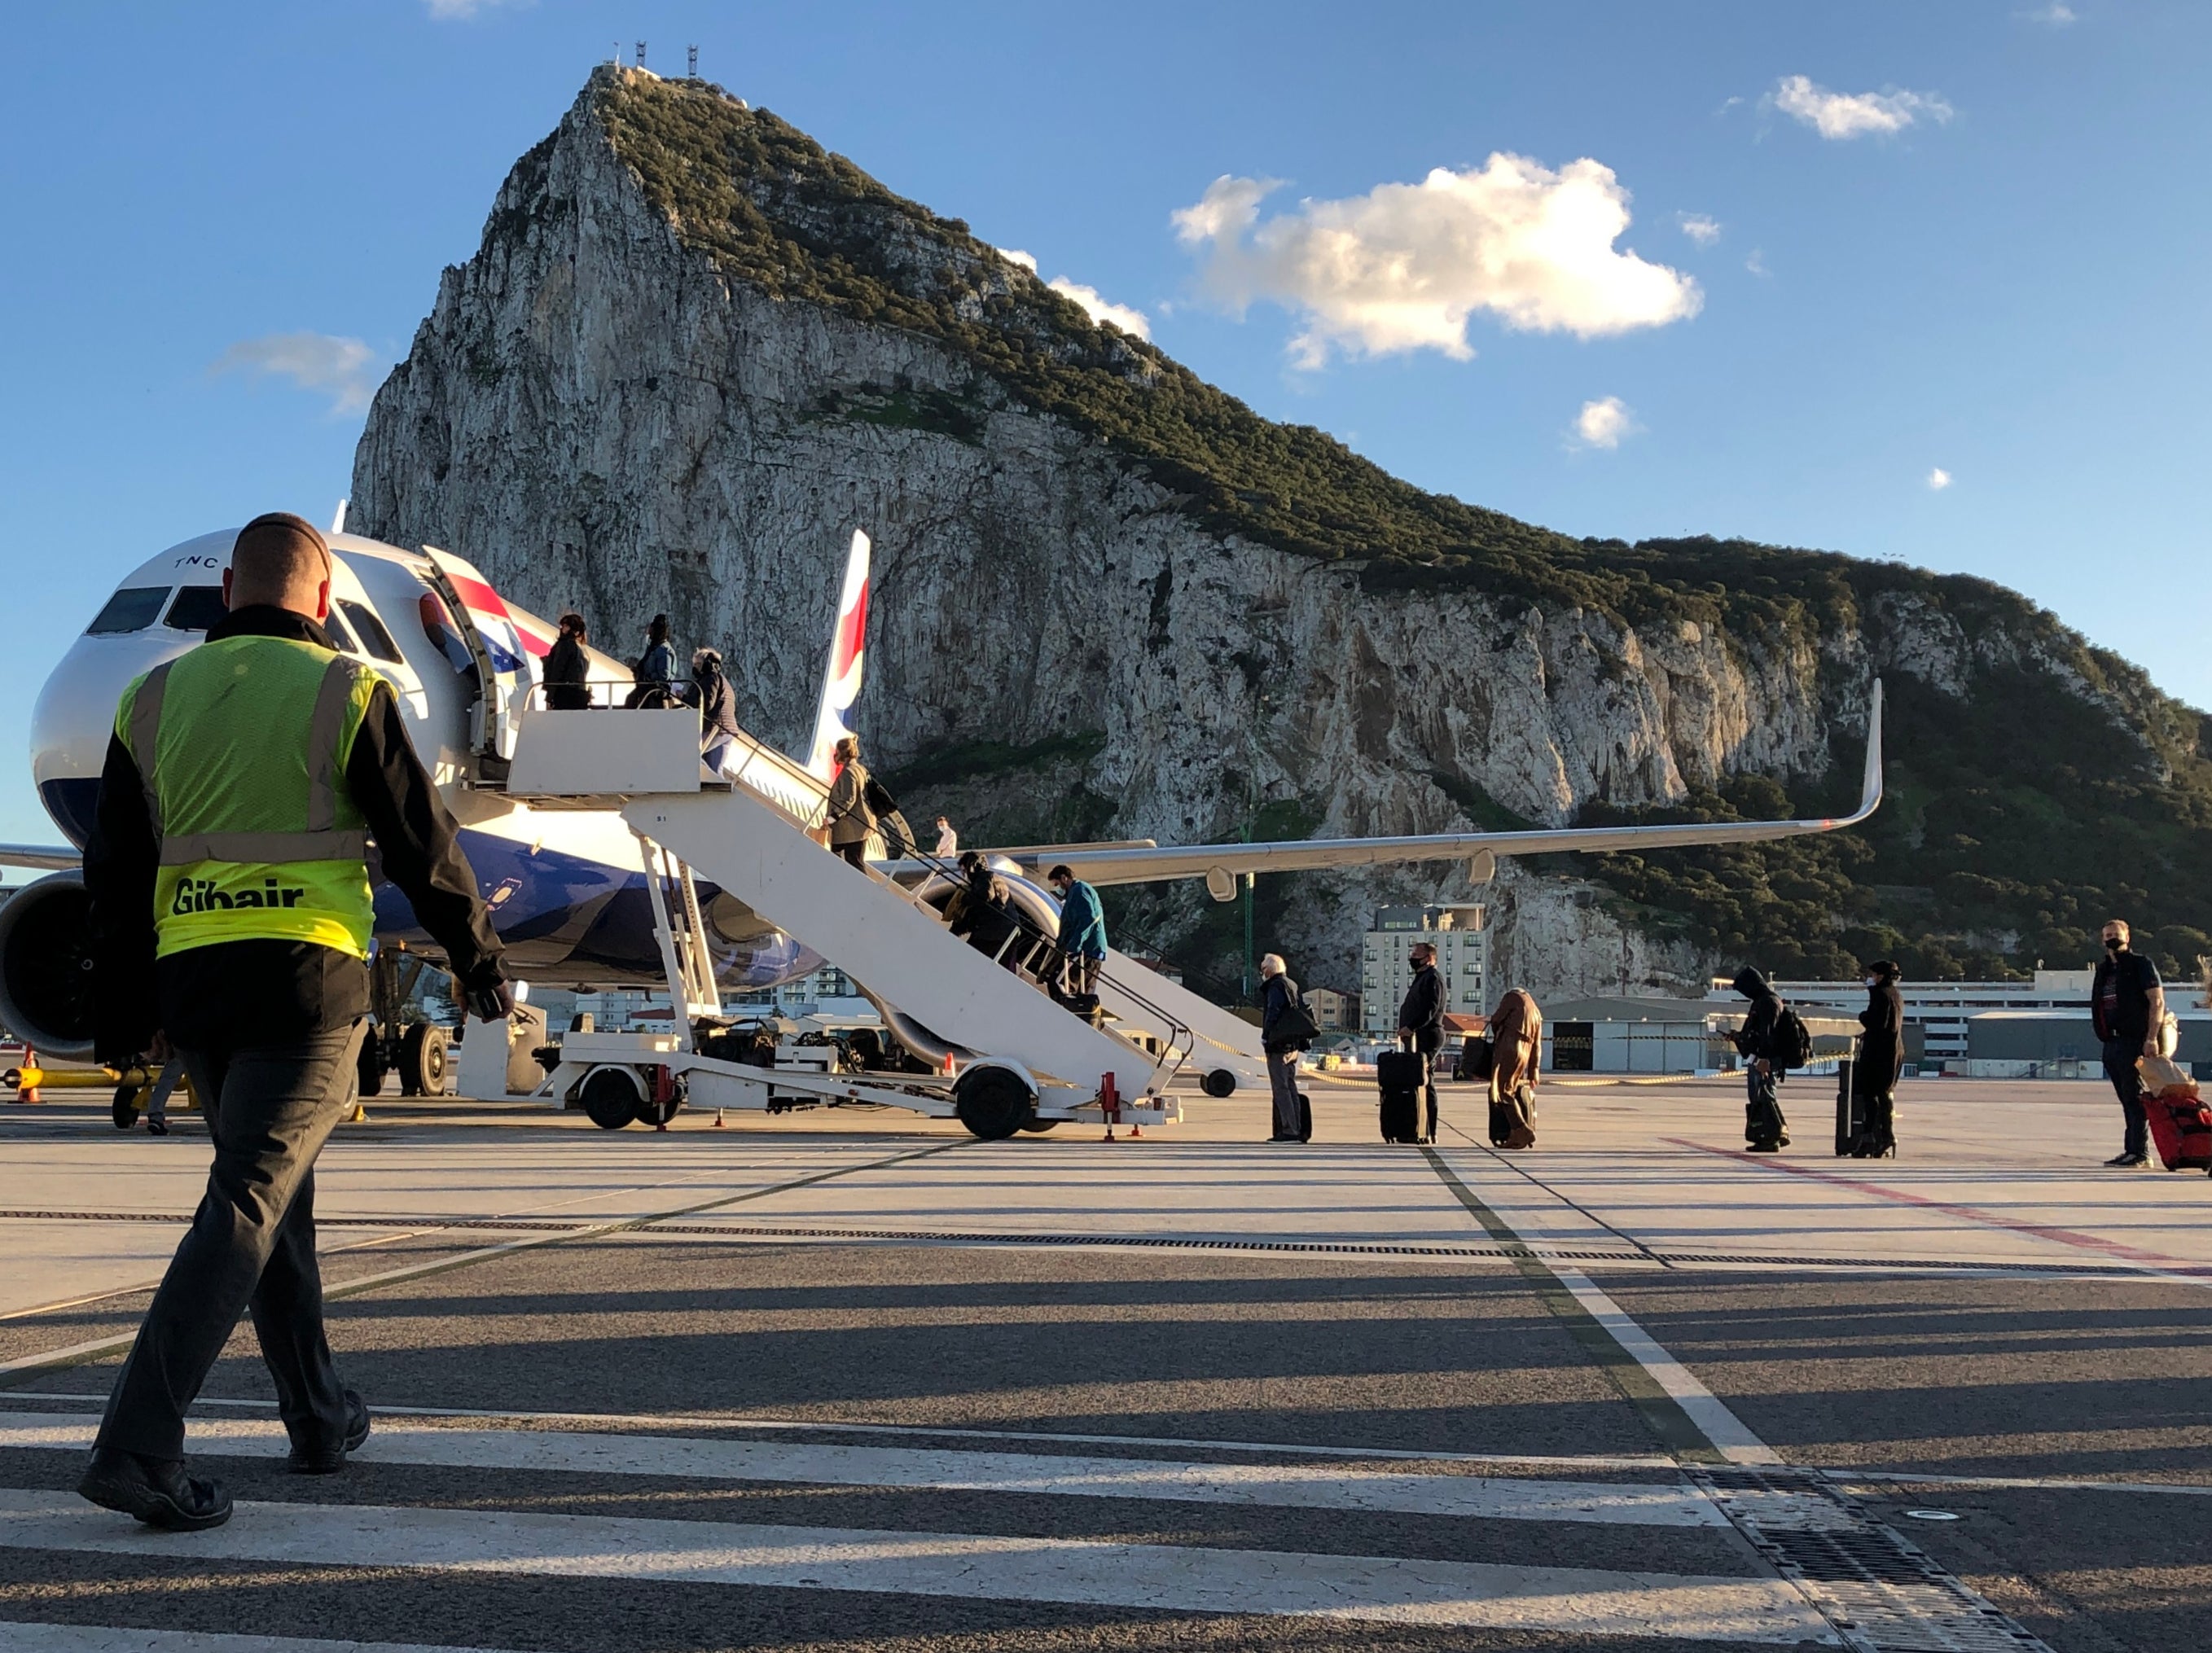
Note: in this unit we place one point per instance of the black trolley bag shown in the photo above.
(1851, 1121)
(1400, 1075)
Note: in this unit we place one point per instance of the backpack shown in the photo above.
(1791, 1044)
(897, 836)
(1296, 1029)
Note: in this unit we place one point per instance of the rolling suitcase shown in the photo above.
(1305, 1117)
(1850, 1108)
(1399, 1075)
(2181, 1131)
(1512, 1120)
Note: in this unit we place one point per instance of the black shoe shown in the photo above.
(328, 1460)
(155, 1491)
(1764, 1148)
(2128, 1161)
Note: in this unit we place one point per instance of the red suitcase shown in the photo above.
(2181, 1131)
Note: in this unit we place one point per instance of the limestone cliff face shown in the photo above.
(600, 416)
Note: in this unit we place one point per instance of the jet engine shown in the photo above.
(46, 966)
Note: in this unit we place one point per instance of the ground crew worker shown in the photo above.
(230, 919)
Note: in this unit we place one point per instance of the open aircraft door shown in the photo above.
(484, 637)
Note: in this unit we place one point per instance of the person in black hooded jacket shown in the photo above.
(1882, 1059)
(1763, 1127)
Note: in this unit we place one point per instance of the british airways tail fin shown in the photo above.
(841, 680)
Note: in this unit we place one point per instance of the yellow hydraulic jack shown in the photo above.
(133, 1089)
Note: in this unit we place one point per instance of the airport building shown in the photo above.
(1334, 1011)
(1460, 936)
(1937, 1014)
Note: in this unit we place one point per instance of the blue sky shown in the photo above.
(1956, 247)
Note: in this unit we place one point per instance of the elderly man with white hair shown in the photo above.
(1286, 1027)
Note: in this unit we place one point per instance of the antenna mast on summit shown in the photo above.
(641, 54)
(690, 62)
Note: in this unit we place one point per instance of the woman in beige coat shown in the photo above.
(848, 817)
(1516, 1044)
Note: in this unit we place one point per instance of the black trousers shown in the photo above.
(252, 1246)
(1763, 1123)
(1283, 1088)
(2120, 1056)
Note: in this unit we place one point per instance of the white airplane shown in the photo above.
(568, 887)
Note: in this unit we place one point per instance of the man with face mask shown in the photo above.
(1882, 1059)
(2126, 1004)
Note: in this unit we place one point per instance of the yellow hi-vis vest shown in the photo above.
(242, 746)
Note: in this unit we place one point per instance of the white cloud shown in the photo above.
(1757, 263)
(1838, 115)
(1938, 479)
(1129, 320)
(1700, 228)
(2058, 16)
(1404, 266)
(460, 11)
(346, 369)
(1603, 423)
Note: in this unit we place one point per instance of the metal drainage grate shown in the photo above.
(431, 1222)
(1881, 1592)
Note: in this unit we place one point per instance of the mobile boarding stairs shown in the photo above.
(1011, 1057)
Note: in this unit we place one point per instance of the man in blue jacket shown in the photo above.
(1082, 929)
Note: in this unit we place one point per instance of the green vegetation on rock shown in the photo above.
(2023, 812)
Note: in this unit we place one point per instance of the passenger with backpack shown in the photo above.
(718, 711)
(1773, 1039)
(1286, 1027)
(981, 912)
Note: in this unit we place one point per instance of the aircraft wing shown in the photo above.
(1220, 864)
(47, 858)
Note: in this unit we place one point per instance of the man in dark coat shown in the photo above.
(1281, 1042)
(1764, 1129)
(1421, 1020)
(2127, 1004)
(566, 668)
(1882, 1059)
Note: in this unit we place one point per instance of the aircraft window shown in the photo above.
(132, 609)
(372, 633)
(197, 608)
(336, 629)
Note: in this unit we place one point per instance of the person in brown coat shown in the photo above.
(1516, 1044)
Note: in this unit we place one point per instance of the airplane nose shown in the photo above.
(76, 714)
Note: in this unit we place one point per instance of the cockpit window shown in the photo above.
(131, 609)
(372, 633)
(336, 629)
(197, 608)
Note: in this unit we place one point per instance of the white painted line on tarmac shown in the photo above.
(1157, 1577)
(1729, 1433)
(658, 1421)
(1694, 1405)
(1294, 1486)
(98, 1638)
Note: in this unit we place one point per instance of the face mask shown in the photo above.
(2113, 944)
(1872, 982)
